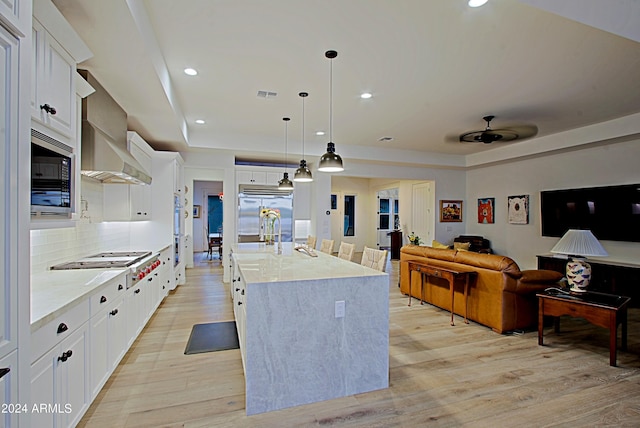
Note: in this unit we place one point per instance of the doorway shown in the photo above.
(388, 213)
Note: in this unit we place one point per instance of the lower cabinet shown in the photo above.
(108, 343)
(60, 392)
(9, 391)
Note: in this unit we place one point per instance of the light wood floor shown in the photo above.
(465, 375)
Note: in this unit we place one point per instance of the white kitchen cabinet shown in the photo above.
(165, 272)
(178, 175)
(15, 15)
(127, 202)
(53, 95)
(257, 177)
(59, 382)
(108, 343)
(9, 391)
(9, 213)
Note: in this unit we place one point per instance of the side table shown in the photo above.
(601, 309)
(449, 274)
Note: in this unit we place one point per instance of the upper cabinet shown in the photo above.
(53, 71)
(244, 176)
(56, 50)
(16, 15)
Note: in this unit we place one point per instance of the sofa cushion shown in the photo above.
(436, 244)
(462, 246)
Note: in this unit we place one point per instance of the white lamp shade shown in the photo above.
(578, 242)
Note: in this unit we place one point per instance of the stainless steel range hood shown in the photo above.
(104, 140)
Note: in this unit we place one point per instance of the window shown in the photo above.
(349, 215)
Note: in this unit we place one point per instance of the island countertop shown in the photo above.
(310, 328)
(261, 263)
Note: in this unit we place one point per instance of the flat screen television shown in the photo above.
(612, 213)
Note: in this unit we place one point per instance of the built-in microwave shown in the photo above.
(52, 177)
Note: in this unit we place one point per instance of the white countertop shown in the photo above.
(260, 263)
(56, 291)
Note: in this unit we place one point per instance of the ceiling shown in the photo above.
(434, 68)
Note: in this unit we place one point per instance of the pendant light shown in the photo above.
(330, 161)
(285, 183)
(302, 173)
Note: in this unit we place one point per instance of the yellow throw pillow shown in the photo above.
(436, 244)
(463, 246)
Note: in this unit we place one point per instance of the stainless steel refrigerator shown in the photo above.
(251, 201)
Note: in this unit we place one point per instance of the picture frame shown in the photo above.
(518, 209)
(334, 202)
(486, 210)
(196, 211)
(450, 211)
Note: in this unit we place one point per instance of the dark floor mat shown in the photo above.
(210, 337)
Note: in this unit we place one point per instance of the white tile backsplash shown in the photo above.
(53, 246)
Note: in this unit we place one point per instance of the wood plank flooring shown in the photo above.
(440, 376)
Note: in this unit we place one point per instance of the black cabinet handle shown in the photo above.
(239, 303)
(114, 312)
(65, 356)
(4, 371)
(149, 279)
(62, 328)
(103, 299)
(242, 292)
(237, 289)
(120, 287)
(137, 291)
(49, 109)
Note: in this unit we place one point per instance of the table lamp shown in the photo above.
(578, 244)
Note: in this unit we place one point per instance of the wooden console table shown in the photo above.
(449, 274)
(604, 310)
(607, 276)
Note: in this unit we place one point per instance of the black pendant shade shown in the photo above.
(330, 161)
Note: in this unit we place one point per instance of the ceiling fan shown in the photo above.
(488, 135)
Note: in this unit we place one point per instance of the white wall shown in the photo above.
(596, 165)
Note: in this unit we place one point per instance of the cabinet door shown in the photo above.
(53, 98)
(73, 393)
(100, 367)
(8, 192)
(117, 333)
(59, 87)
(9, 391)
(140, 202)
(12, 12)
(43, 389)
(273, 178)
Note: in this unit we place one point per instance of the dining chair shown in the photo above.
(311, 241)
(375, 259)
(326, 246)
(346, 250)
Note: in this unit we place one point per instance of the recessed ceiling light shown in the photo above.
(190, 71)
(365, 95)
(319, 132)
(200, 122)
(476, 3)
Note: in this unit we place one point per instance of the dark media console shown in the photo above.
(607, 276)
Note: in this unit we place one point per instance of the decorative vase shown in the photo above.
(578, 275)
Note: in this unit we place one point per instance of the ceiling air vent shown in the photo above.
(266, 94)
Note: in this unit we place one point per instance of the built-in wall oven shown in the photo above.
(52, 177)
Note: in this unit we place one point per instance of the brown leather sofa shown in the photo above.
(501, 296)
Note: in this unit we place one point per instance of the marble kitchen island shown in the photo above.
(310, 328)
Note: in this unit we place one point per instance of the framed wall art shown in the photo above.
(518, 209)
(486, 209)
(450, 211)
(196, 211)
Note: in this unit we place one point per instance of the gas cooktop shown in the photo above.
(113, 259)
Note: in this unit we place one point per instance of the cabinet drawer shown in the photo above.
(109, 293)
(54, 331)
